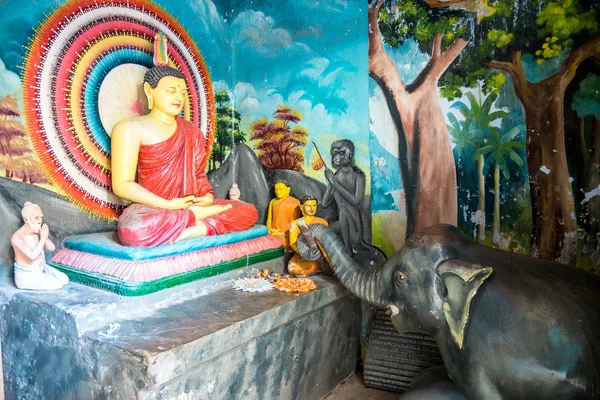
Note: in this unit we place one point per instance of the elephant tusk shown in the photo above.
(392, 310)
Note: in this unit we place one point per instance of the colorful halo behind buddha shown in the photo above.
(69, 89)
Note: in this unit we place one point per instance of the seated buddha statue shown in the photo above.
(283, 209)
(298, 265)
(157, 163)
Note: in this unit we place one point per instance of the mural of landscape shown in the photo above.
(490, 111)
(477, 113)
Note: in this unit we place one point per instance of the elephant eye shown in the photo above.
(400, 276)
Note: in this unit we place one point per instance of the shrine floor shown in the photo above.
(354, 388)
(202, 340)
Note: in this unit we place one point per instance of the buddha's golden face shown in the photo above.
(309, 208)
(282, 191)
(169, 95)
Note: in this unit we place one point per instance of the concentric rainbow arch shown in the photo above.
(72, 52)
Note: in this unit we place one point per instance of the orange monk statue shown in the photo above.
(297, 265)
(172, 198)
(283, 209)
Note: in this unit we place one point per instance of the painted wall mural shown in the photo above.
(490, 110)
(481, 114)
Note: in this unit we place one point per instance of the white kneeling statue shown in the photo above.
(29, 243)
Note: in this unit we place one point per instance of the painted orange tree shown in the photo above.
(280, 144)
(499, 35)
(16, 155)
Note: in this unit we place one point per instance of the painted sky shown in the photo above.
(309, 55)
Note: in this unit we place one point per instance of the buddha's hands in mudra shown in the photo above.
(180, 203)
(203, 201)
(183, 203)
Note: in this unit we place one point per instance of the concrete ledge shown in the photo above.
(199, 340)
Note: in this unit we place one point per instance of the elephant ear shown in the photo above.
(461, 280)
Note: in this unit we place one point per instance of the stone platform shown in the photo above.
(201, 340)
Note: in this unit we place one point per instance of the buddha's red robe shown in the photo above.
(171, 169)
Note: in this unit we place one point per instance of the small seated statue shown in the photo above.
(298, 265)
(31, 270)
(283, 209)
(234, 192)
(172, 198)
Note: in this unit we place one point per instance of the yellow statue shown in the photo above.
(297, 265)
(172, 197)
(283, 209)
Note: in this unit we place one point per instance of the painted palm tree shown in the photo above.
(228, 131)
(497, 152)
(475, 129)
(465, 144)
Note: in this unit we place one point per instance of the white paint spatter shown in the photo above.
(573, 216)
(571, 180)
(212, 384)
(544, 169)
(478, 217)
(591, 194)
(109, 332)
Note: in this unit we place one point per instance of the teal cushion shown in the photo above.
(107, 244)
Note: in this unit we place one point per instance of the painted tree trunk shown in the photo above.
(481, 222)
(429, 142)
(496, 220)
(425, 155)
(551, 196)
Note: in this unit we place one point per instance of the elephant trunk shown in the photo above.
(363, 282)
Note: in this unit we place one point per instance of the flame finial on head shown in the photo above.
(161, 57)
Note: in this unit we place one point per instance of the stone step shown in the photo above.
(195, 341)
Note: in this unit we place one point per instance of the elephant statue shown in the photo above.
(507, 326)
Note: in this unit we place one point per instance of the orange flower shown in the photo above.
(302, 285)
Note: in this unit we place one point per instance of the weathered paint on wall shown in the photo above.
(514, 92)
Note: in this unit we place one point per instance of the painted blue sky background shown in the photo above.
(310, 55)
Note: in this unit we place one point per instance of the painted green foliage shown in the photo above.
(227, 133)
(477, 141)
(499, 33)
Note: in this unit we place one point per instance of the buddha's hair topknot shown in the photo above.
(308, 197)
(155, 74)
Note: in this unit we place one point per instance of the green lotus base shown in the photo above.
(130, 288)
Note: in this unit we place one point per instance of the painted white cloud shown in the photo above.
(327, 5)
(314, 67)
(208, 17)
(221, 85)
(9, 81)
(244, 90)
(256, 32)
